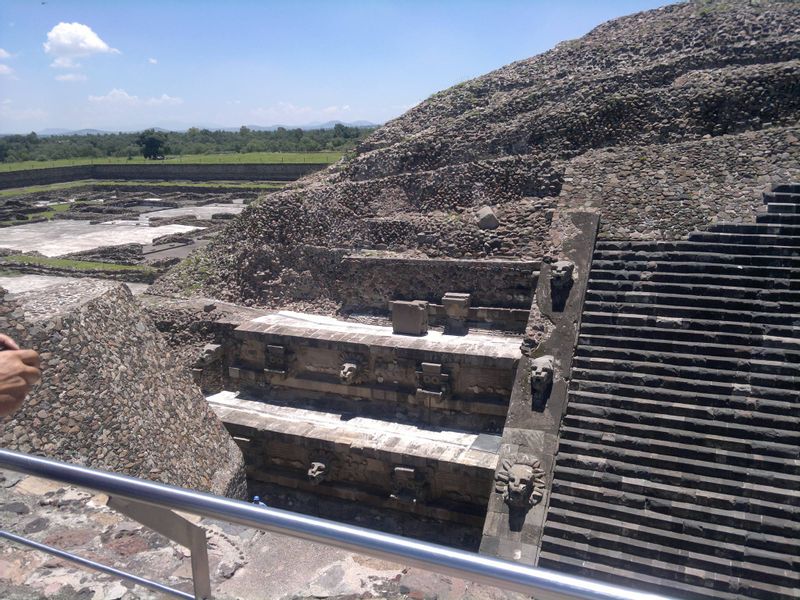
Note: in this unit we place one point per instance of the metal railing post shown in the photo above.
(179, 530)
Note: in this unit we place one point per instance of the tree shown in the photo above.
(152, 143)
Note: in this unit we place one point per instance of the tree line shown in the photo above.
(340, 138)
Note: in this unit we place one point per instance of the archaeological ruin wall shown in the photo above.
(112, 395)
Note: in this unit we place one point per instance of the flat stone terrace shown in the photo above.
(503, 350)
(440, 474)
(413, 443)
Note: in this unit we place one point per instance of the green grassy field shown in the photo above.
(65, 263)
(325, 158)
(249, 185)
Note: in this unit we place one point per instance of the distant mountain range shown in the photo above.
(180, 129)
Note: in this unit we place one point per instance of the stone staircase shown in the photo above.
(678, 467)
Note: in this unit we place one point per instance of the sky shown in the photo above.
(121, 65)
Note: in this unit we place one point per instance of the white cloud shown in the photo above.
(4, 54)
(71, 77)
(118, 97)
(152, 61)
(68, 41)
(6, 70)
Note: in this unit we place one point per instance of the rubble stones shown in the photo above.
(112, 395)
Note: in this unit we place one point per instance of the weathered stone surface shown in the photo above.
(410, 318)
(487, 219)
(112, 395)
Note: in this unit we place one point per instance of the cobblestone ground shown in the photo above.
(245, 563)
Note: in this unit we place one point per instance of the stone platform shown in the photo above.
(461, 382)
(445, 475)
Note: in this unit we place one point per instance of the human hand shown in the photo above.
(19, 371)
(6, 343)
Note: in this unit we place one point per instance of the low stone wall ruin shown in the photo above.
(160, 170)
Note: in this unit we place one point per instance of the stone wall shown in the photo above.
(370, 282)
(456, 382)
(112, 395)
(665, 191)
(376, 463)
(211, 172)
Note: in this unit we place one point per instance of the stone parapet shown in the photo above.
(439, 474)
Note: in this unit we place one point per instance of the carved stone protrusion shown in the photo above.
(561, 272)
(456, 307)
(275, 359)
(433, 385)
(317, 472)
(409, 485)
(409, 318)
(521, 481)
(209, 355)
(348, 373)
(542, 370)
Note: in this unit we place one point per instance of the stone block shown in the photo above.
(456, 307)
(410, 318)
(487, 219)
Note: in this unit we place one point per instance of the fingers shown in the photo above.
(31, 375)
(9, 404)
(29, 357)
(8, 342)
(13, 394)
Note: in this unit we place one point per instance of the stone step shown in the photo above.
(792, 188)
(787, 230)
(700, 360)
(778, 219)
(729, 399)
(614, 502)
(689, 432)
(689, 384)
(614, 486)
(692, 336)
(783, 208)
(700, 289)
(683, 256)
(682, 557)
(696, 280)
(647, 475)
(746, 240)
(781, 197)
(641, 264)
(790, 310)
(702, 347)
(710, 376)
(680, 539)
(728, 414)
(689, 324)
(769, 317)
(714, 585)
(584, 442)
(702, 247)
(609, 570)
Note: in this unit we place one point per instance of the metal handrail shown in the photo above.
(541, 583)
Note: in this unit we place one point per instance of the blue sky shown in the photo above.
(123, 65)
